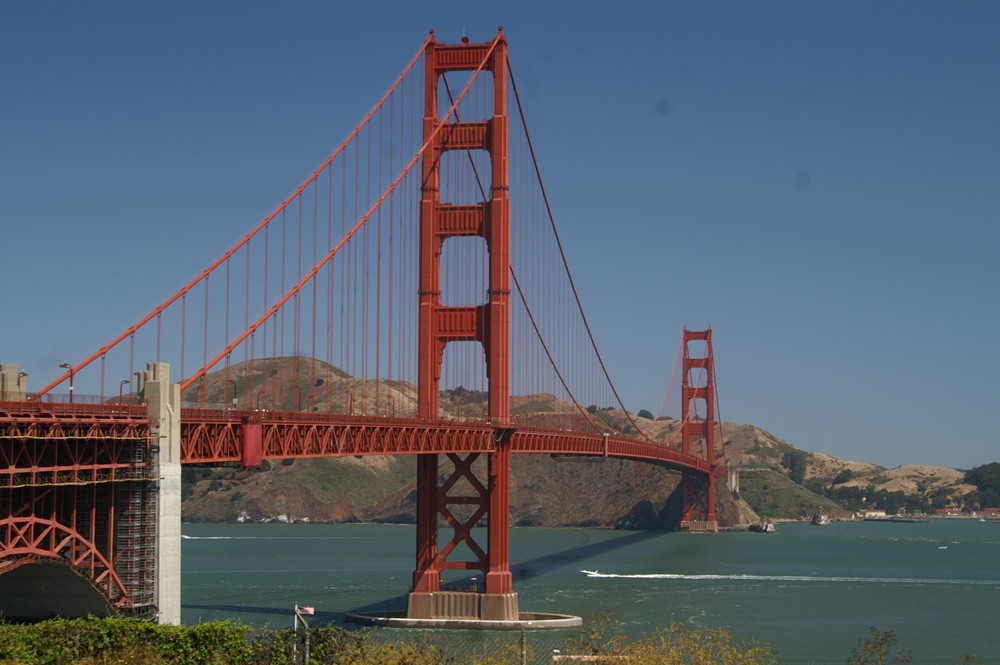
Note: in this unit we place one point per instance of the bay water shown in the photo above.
(810, 591)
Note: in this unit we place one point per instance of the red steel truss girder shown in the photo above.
(206, 439)
(205, 442)
(42, 462)
(573, 443)
(67, 420)
(25, 539)
(216, 436)
(42, 444)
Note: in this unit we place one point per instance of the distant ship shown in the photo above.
(896, 518)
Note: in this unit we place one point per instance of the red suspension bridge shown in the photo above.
(411, 296)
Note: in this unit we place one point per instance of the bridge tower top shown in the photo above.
(487, 323)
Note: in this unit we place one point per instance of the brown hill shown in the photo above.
(766, 478)
(545, 491)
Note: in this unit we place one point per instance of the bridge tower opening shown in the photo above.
(487, 323)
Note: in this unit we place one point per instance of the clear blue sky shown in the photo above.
(818, 181)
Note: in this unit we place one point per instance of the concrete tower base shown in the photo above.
(164, 402)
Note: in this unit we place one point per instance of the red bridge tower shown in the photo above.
(487, 323)
(698, 387)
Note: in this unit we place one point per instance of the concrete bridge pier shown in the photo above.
(11, 382)
(163, 400)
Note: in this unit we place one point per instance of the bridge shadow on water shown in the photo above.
(544, 564)
(527, 569)
(395, 604)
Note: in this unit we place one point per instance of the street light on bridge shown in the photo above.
(71, 372)
(120, 386)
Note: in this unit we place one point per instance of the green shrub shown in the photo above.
(103, 641)
(677, 645)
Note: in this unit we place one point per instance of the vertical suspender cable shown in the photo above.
(378, 276)
(555, 235)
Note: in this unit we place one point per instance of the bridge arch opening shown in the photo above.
(476, 106)
(464, 271)
(465, 177)
(697, 377)
(44, 588)
(464, 384)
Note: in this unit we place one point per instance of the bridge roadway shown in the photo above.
(211, 436)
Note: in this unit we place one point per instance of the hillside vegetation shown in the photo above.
(777, 480)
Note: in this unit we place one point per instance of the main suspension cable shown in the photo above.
(562, 254)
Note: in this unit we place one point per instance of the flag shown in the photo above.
(305, 610)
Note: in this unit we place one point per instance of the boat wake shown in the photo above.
(788, 578)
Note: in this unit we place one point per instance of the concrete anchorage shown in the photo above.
(163, 400)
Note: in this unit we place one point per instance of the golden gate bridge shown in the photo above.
(422, 253)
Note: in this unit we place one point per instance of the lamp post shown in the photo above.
(120, 386)
(71, 373)
(20, 386)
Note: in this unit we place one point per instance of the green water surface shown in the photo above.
(810, 591)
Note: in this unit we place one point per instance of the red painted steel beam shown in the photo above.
(25, 539)
(216, 436)
(59, 444)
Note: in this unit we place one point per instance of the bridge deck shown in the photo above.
(214, 436)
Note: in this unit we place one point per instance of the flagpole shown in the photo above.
(299, 611)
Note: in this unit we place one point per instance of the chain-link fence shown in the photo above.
(525, 647)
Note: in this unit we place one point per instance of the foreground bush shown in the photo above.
(127, 642)
(96, 641)
(120, 641)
